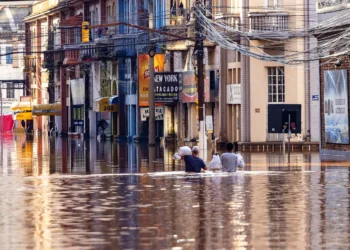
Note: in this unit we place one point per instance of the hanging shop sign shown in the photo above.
(143, 75)
(209, 127)
(234, 94)
(77, 90)
(167, 87)
(102, 105)
(159, 113)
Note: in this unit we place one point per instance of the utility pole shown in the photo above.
(87, 102)
(151, 119)
(199, 47)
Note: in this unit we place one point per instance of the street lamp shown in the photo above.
(152, 52)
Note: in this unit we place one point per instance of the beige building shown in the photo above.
(266, 82)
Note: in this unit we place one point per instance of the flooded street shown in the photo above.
(66, 194)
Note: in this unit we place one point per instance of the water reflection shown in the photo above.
(70, 194)
(32, 156)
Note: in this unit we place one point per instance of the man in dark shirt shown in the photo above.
(193, 162)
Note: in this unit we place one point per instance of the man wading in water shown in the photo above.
(194, 164)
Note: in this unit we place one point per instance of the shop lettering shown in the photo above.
(108, 108)
(165, 78)
(166, 89)
(146, 73)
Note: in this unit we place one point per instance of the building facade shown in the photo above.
(11, 62)
(334, 80)
(100, 79)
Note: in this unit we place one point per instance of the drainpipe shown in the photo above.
(245, 78)
(307, 74)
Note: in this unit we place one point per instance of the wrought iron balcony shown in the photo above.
(268, 21)
(102, 48)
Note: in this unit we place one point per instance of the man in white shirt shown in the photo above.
(229, 160)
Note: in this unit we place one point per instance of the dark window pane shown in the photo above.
(270, 98)
(274, 90)
(280, 89)
(270, 89)
(280, 98)
(212, 80)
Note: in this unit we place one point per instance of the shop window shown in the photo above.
(10, 92)
(276, 84)
(9, 55)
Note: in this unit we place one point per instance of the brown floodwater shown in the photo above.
(67, 194)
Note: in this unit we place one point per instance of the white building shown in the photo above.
(12, 41)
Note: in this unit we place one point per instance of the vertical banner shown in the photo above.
(143, 75)
(336, 106)
(77, 89)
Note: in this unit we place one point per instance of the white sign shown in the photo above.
(77, 88)
(234, 94)
(209, 124)
(159, 113)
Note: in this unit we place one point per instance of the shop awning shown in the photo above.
(21, 106)
(47, 109)
(102, 105)
(20, 116)
(113, 100)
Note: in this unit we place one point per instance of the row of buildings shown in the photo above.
(74, 82)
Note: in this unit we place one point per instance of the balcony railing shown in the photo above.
(231, 20)
(29, 63)
(102, 48)
(179, 16)
(268, 21)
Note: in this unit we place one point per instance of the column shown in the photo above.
(222, 98)
(64, 113)
(245, 78)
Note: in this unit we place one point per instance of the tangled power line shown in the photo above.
(332, 41)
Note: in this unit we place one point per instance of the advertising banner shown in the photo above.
(189, 88)
(143, 75)
(77, 90)
(159, 113)
(336, 107)
(234, 94)
(167, 87)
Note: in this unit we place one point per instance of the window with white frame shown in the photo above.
(276, 84)
(10, 92)
(274, 3)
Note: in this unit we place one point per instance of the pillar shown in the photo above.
(64, 113)
(222, 97)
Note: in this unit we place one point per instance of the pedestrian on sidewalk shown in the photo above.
(229, 160)
(193, 163)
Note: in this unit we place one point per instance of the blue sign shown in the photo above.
(315, 98)
(78, 123)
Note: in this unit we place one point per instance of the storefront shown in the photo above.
(105, 107)
(23, 115)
